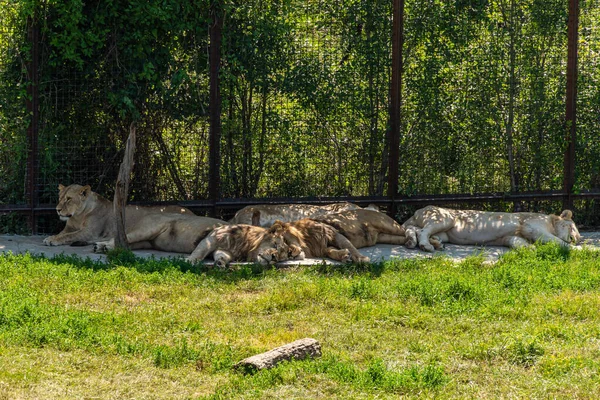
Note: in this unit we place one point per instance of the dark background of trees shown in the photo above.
(305, 97)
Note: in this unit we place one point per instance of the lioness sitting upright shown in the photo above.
(339, 235)
(266, 214)
(488, 228)
(89, 216)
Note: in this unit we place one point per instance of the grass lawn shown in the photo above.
(527, 326)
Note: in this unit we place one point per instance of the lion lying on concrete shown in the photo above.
(488, 228)
(266, 214)
(166, 232)
(241, 243)
(339, 235)
(90, 217)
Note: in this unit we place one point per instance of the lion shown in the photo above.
(90, 217)
(177, 233)
(340, 235)
(266, 214)
(241, 242)
(365, 227)
(488, 228)
(310, 238)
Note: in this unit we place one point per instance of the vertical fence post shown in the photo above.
(33, 113)
(395, 102)
(571, 104)
(214, 176)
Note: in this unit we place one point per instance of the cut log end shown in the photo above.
(298, 350)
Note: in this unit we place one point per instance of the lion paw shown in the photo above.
(345, 256)
(363, 260)
(50, 241)
(295, 252)
(100, 248)
(410, 244)
(427, 247)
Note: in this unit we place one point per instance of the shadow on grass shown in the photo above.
(238, 272)
(126, 258)
(371, 269)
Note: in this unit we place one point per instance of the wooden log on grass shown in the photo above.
(122, 190)
(298, 350)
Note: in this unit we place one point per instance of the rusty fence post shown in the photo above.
(32, 105)
(571, 105)
(395, 103)
(214, 168)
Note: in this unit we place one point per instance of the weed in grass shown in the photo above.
(524, 353)
(452, 293)
(362, 289)
(378, 376)
(168, 357)
(556, 367)
(552, 252)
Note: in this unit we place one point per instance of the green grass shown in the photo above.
(527, 326)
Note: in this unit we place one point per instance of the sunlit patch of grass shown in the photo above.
(418, 327)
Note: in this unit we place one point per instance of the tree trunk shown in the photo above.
(298, 350)
(122, 190)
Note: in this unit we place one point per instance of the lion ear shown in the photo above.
(256, 218)
(567, 214)
(61, 187)
(85, 190)
(277, 227)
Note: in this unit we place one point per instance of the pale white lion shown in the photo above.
(90, 217)
(265, 215)
(487, 228)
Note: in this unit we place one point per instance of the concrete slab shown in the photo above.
(33, 244)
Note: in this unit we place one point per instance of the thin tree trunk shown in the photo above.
(122, 190)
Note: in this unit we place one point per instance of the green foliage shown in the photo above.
(304, 97)
(419, 327)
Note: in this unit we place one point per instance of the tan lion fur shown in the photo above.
(241, 242)
(310, 238)
(90, 217)
(365, 227)
(166, 232)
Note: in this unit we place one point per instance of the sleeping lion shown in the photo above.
(266, 214)
(488, 228)
(241, 243)
(339, 235)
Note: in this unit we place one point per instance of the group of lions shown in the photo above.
(267, 234)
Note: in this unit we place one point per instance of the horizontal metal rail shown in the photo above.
(235, 204)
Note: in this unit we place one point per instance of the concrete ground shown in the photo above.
(33, 244)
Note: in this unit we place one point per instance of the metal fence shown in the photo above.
(294, 101)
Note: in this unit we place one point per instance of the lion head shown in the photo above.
(72, 200)
(272, 249)
(566, 229)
